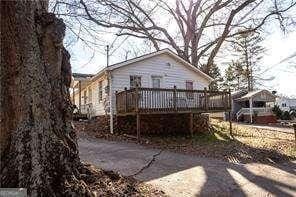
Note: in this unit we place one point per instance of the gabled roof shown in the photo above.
(146, 56)
(238, 93)
(254, 93)
(81, 77)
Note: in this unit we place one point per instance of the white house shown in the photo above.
(161, 69)
(286, 104)
(159, 82)
(254, 106)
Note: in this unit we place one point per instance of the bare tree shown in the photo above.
(195, 29)
(38, 144)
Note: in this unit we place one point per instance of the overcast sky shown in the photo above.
(279, 47)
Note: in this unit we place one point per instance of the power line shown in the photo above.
(280, 62)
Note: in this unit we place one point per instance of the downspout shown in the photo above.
(110, 101)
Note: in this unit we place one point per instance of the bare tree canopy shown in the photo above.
(195, 29)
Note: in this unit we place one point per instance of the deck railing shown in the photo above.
(260, 111)
(160, 100)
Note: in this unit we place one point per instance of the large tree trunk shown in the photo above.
(38, 145)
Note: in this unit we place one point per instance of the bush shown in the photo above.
(277, 111)
(293, 113)
(283, 115)
(286, 116)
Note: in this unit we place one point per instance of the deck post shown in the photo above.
(137, 98)
(125, 103)
(251, 109)
(79, 93)
(229, 112)
(206, 99)
(138, 127)
(191, 124)
(116, 100)
(137, 114)
(175, 98)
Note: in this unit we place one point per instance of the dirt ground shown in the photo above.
(109, 183)
(246, 145)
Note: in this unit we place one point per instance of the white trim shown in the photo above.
(254, 93)
(162, 85)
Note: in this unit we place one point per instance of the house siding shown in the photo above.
(288, 103)
(98, 106)
(174, 75)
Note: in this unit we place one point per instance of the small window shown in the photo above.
(189, 86)
(284, 105)
(100, 91)
(89, 95)
(134, 81)
(156, 81)
(84, 97)
(169, 65)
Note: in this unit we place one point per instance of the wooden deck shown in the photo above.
(162, 101)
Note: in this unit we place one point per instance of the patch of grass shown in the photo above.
(245, 145)
(280, 142)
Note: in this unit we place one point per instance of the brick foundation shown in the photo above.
(151, 124)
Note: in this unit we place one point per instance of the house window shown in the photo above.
(284, 105)
(84, 97)
(89, 95)
(156, 80)
(100, 91)
(189, 86)
(134, 81)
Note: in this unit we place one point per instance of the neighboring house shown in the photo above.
(172, 85)
(253, 107)
(286, 104)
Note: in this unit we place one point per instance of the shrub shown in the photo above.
(277, 111)
(283, 115)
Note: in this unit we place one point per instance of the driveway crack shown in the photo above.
(148, 164)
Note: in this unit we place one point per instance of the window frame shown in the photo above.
(189, 95)
(85, 97)
(132, 79)
(89, 91)
(100, 91)
(160, 78)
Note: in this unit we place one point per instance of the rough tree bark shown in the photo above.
(38, 145)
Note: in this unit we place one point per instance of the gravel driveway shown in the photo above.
(185, 175)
